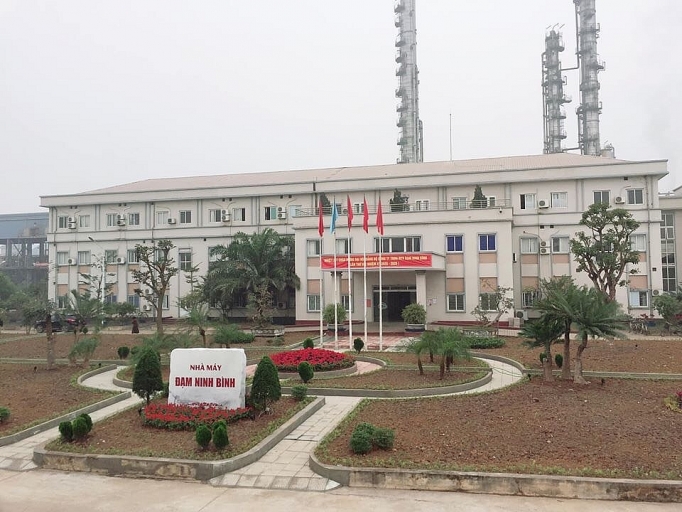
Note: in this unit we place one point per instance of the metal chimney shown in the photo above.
(553, 97)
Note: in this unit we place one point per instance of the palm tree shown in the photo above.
(595, 315)
(254, 264)
(543, 333)
(451, 345)
(417, 346)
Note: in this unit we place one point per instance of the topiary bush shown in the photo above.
(203, 436)
(80, 428)
(383, 438)
(358, 344)
(66, 431)
(4, 414)
(266, 387)
(308, 343)
(299, 392)
(361, 439)
(219, 423)
(482, 342)
(147, 378)
(559, 360)
(123, 352)
(543, 356)
(305, 371)
(220, 439)
(88, 420)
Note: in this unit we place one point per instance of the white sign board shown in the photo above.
(208, 375)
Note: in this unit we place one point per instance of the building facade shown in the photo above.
(23, 247)
(440, 248)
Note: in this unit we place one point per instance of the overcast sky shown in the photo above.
(95, 93)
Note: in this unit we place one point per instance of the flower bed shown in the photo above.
(187, 417)
(321, 359)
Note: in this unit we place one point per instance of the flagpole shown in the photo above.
(365, 228)
(336, 295)
(380, 228)
(320, 228)
(349, 207)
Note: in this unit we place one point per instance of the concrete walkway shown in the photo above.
(284, 467)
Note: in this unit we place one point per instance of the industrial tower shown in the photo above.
(590, 65)
(553, 97)
(411, 130)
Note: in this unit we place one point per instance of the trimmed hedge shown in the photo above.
(483, 342)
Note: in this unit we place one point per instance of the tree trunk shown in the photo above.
(566, 368)
(159, 316)
(50, 342)
(578, 374)
(442, 367)
(420, 365)
(202, 333)
(547, 364)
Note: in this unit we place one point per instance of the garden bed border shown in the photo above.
(37, 429)
(151, 467)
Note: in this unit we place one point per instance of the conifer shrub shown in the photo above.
(358, 344)
(219, 423)
(383, 438)
(79, 428)
(147, 378)
(66, 431)
(305, 371)
(308, 343)
(220, 439)
(361, 439)
(88, 420)
(203, 436)
(4, 414)
(266, 387)
(299, 392)
(559, 360)
(123, 352)
(543, 356)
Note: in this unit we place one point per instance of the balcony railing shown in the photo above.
(412, 207)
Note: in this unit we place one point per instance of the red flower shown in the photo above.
(187, 417)
(320, 358)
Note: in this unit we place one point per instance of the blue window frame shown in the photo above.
(486, 243)
(454, 243)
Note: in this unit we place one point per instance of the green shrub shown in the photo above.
(80, 428)
(383, 438)
(559, 360)
(203, 436)
(365, 427)
(147, 378)
(266, 386)
(299, 392)
(308, 343)
(278, 341)
(66, 431)
(165, 391)
(358, 344)
(219, 423)
(134, 351)
(305, 371)
(543, 356)
(4, 414)
(220, 439)
(123, 352)
(227, 334)
(361, 439)
(83, 349)
(482, 342)
(88, 420)
(414, 314)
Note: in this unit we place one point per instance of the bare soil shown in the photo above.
(618, 429)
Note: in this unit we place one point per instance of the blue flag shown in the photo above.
(335, 216)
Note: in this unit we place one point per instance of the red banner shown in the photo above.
(388, 261)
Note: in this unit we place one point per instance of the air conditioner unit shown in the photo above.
(147, 292)
(121, 221)
(544, 250)
(543, 244)
(656, 292)
(225, 215)
(147, 307)
(543, 204)
(172, 221)
(281, 209)
(281, 305)
(120, 261)
(71, 225)
(281, 215)
(71, 261)
(619, 200)
(72, 219)
(522, 313)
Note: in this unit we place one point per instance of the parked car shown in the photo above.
(59, 323)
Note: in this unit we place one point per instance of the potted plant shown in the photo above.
(414, 316)
(328, 316)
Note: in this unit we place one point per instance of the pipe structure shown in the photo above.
(553, 97)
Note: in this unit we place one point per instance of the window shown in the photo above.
(134, 300)
(313, 302)
(293, 210)
(133, 219)
(239, 214)
(313, 247)
(215, 215)
(456, 302)
(639, 298)
(454, 243)
(559, 199)
(422, 205)
(667, 226)
(601, 197)
(112, 219)
(343, 246)
(240, 300)
(84, 221)
(270, 213)
(185, 216)
(63, 301)
(529, 298)
(110, 299)
(488, 301)
(110, 255)
(84, 258)
(358, 208)
(62, 258)
(162, 218)
(638, 242)
(212, 254)
(560, 244)
(132, 256)
(635, 196)
(62, 222)
(486, 243)
(529, 245)
(166, 302)
(459, 203)
(528, 202)
(185, 259)
(669, 279)
(345, 302)
(492, 200)
(398, 244)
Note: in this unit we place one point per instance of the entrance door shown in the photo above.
(394, 303)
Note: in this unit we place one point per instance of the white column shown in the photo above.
(421, 289)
